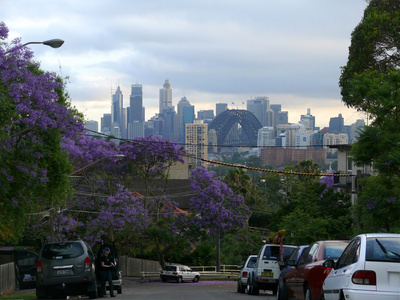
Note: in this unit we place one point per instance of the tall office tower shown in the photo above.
(205, 114)
(281, 117)
(258, 107)
(270, 118)
(170, 124)
(136, 103)
(181, 125)
(106, 123)
(125, 123)
(265, 138)
(220, 108)
(275, 107)
(355, 129)
(117, 108)
(92, 126)
(165, 97)
(196, 140)
(308, 120)
(136, 118)
(336, 124)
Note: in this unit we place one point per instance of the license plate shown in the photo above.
(267, 274)
(64, 272)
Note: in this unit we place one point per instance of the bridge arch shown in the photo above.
(223, 123)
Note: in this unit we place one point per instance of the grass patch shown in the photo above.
(20, 296)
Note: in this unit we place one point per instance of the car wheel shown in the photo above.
(164, 280)
(249, 286)
(307, 294)
(41, 293)
(282, 293)
(240, 287)
(93, 292)
(119, 290)
(179, 280)
(196, 279)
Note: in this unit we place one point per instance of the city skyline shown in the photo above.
(233, 105)
(211, 51)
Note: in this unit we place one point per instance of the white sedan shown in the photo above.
(369, 268)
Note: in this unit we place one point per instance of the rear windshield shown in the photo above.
(252, 262)
(334, 250)
(170, 268)
(385, 249)
(62, 250)
(273, 252)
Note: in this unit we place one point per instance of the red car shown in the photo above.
(305, 280)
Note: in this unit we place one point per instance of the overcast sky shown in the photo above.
(211, 50)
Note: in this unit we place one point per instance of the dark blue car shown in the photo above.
(293, 258)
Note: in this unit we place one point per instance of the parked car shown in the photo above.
(244, 273)
(179, 273)
(24, 264)
(369, 268)
(117, 272)
(305, 279)
(265, 273)
(282, 290)
(66, 268)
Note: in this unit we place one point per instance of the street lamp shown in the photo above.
(95, 162)
(53, 43)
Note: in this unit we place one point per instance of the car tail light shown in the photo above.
(120, 274)
(87, 263)
(364, 277)
(39, 266)
(327, 271)
(244, 274)
(174, 273)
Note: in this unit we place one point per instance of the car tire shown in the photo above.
(179, 280)
(164, 280)
(92, 293)
(282, 293)
(119, 290)
(307, 294)
(41, 293)
(240, 287)
(196, 279)
(249, 286)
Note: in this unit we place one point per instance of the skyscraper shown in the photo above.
(336, 124)
(136, 103)
(181, 125)
(220, 108)
(165, 97)
(258, 107)
(136, 117)
(117, 107)
(196, 142)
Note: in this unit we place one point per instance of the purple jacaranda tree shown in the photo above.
(216, 207)
(100, 202)
(149, 160)
(35, 115)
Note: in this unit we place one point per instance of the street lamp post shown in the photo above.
(53, 43)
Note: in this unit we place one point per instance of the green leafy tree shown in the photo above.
(35, 116)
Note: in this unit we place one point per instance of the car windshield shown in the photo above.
(273, 252)
(62, 250)
(385, 249)
(333, 251)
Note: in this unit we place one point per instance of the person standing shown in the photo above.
(106, 269)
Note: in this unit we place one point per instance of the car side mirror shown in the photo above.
(330, 263)
(291, 262)
(239, 267)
